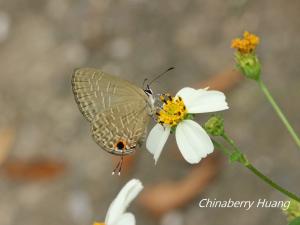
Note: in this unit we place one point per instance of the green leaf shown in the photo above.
(296, 221)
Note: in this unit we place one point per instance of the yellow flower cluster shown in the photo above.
(96, 223)
(173, 110)
(247, 44)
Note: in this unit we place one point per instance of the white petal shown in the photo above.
(123, 199)
(157, 139)
(187, 94)
(193, 142)
(126, 219)
(203, 100)
(208, 101)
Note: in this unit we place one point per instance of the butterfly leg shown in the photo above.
(121, 164)
(118, 166)
(115, 169)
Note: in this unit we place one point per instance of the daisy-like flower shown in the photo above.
(116, 214)
(192, 140)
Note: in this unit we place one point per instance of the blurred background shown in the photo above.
(53, 173)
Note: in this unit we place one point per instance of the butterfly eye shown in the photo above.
(148, 92)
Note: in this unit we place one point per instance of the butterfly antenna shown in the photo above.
(161, 74)
(145, 80)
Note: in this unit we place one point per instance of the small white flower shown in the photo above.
(192, 140)
(116, 214)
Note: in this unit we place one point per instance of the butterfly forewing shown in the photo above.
(96, 91)
(118, 110)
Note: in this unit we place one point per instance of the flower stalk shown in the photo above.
(235, 154)
(279, 112)
(272, 183)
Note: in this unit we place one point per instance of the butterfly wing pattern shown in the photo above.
(117, 110)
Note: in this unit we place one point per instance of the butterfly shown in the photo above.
(118, 111)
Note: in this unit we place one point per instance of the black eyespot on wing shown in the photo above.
(120, 145)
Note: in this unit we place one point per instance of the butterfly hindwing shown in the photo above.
(129, 128)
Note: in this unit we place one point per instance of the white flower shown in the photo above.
(192, 140)
(116, 214)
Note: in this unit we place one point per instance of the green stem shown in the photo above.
(247, 164)
(222, 148)
(272, 183)
(230, 141)
(279, 112)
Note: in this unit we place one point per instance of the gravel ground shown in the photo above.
(41, 42)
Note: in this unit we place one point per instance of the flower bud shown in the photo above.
(293, 211)
(238, 156)
(245, 57)
(215, 126)
(248, 65)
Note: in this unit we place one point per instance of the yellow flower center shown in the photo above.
(173, 110)
(247, 44)
(96, 223)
